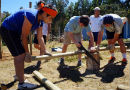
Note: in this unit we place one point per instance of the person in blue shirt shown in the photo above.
(72, 32)
(15, 30)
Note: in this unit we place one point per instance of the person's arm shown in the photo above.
(100, 35)
(91, 39)
(118, 31)
(49, 30)
(116, 36)
(25, 32)
(41, 41)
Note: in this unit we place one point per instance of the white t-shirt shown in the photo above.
(94, 23)
(44, 29)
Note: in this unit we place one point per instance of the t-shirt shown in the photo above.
(94, 23)
(44, 29)
(74, 27)
(116, 27)
(15, 21)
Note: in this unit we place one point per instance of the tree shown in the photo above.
(4, 15)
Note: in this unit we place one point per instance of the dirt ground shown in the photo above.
(68, 78)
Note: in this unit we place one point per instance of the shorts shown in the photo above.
(67, 39)
(95, 35)
(36, 41)
(110, 35)
(13, 41)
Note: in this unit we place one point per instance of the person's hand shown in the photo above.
(92, 49)
(45, 53)
(97, 47)
(77, 45)
(111, 47)
(28, 57)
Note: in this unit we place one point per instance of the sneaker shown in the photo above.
(79, 63)
(124, 62)
(26, 85)
(112, 59)
(61, 61)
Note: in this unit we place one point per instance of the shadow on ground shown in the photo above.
(109, 72)
(30, 69)
(7, 86)
(69, 72)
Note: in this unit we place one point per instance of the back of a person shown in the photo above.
(73, 25)
(117, 19)
(15, 21)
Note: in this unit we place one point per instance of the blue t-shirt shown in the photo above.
(15, 21)
(74, 27)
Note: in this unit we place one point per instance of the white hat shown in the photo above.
(96, 8)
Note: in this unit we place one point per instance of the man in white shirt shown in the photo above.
(95, 27)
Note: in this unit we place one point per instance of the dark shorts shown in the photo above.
(36, 41)
(110, 35)
(95, 35)
(13, 41)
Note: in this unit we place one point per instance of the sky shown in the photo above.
(14, 5)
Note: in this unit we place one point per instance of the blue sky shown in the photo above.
(13, 5)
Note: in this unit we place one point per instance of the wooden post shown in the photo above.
(45, 81)
(0, 35)
(34, 58)
(30, 35)
(92, 65)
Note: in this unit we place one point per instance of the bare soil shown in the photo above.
(68, 77)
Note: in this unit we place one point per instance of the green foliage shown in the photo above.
(67, 9)
(4, 15)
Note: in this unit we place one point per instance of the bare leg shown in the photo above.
(122, 45)
(37, 46)
(64, 48)
(19, 67)
(123, 51)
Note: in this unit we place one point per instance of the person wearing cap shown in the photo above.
(72, 32)
(95, 27)
(14, 32)
(114, 31)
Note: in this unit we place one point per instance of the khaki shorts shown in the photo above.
(67, 39)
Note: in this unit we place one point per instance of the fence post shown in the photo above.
(0, 35)
(30, 35)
